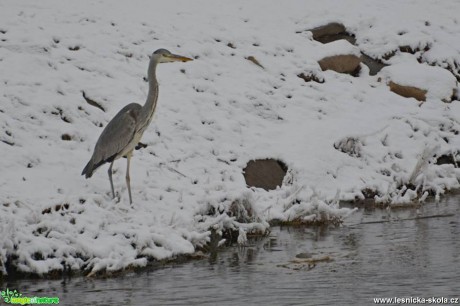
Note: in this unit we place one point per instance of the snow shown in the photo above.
(338, 47)
(214, 115)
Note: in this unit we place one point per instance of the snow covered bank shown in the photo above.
(216, 113)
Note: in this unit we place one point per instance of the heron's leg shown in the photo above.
(110, 178)
(128, 180)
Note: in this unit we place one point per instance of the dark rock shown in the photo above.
(328, 29)
(447, 160)
(66, 137)
(327, 39)
(332, 32)
(264, 173)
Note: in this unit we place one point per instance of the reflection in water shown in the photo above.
(376, 253)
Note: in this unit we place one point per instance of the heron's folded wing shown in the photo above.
(118, 133)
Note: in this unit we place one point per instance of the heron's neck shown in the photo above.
(152, 96)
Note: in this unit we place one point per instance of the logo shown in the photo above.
(14, 297)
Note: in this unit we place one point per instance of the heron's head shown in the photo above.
(164, 56)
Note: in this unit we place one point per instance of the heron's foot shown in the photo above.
(116, 198)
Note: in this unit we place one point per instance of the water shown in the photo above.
(376, 253)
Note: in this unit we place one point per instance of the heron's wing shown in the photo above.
(117, 134)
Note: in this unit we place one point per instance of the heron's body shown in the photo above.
(125, 130)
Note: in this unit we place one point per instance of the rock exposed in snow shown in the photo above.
(331, 32)
(340, 56)
(408, 91)
(345, 63)
(332, 28)
(336, 31)
(265, 173)
(420, 81)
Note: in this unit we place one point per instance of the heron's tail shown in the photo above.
(88, 170)
(92, 165)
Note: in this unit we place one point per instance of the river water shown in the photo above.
(375, 253)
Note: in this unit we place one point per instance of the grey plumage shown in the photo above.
(114, 138)
(124, 131)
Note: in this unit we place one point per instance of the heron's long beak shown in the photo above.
(179, 58)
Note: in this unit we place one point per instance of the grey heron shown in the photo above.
(124, 131)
